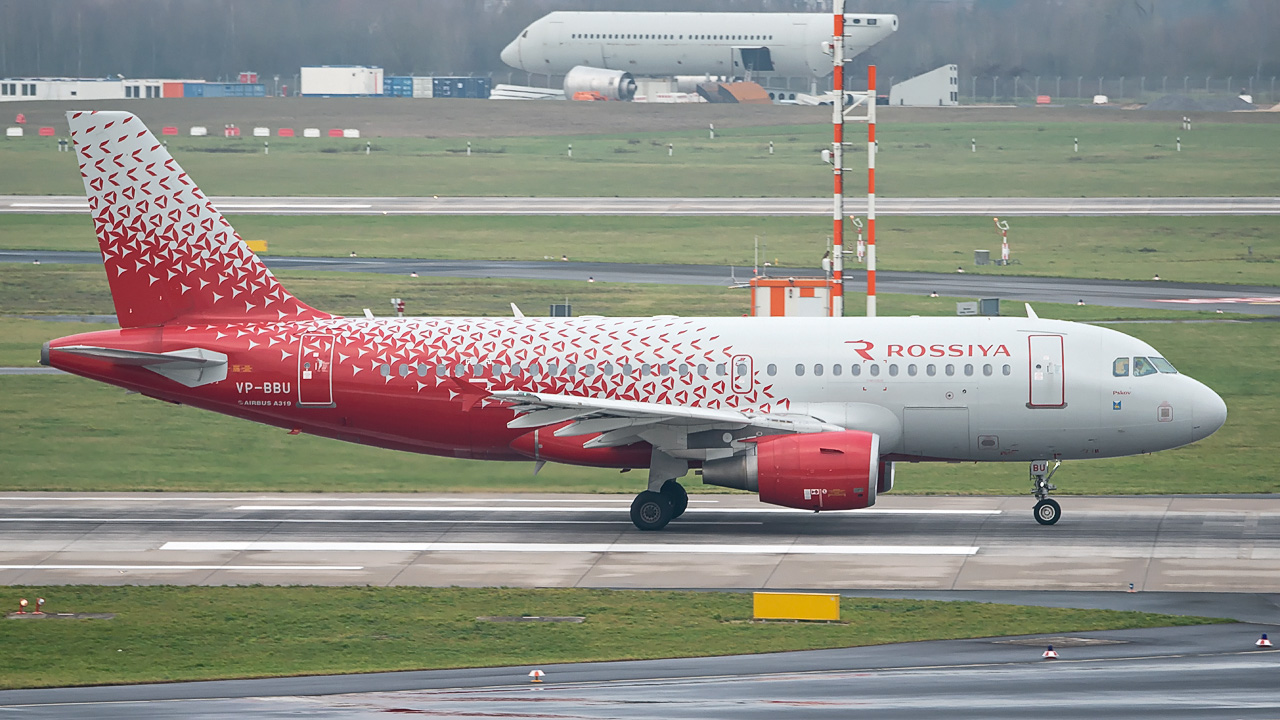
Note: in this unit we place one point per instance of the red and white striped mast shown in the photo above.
(837, 161)
(871, 191)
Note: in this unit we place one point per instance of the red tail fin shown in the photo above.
(169, 255)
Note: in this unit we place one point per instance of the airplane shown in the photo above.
(809, 413)
(605, 51)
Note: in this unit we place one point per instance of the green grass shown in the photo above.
(1240, 250)
(166, 634)
(916, 159)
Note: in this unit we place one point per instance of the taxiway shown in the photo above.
(710, 206)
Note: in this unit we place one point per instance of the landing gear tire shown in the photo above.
(651, 510)
(679, 498)
(1047, 512)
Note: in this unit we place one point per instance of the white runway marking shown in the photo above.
(680, 548)
(294, 568)
(540, 509)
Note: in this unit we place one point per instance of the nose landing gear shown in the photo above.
(1047, 511)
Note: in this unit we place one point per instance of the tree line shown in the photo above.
(216, 39)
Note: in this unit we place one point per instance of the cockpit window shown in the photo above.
(1120, 368)
(1142, 366)
(1163, 365)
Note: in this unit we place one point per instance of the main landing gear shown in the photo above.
(653, 510)
(1047, 510)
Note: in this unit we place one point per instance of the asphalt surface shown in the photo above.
(1246, 299)
(904, 543)
(1005, 207)
(1208, 671)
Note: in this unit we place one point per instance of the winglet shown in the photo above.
(1031, 314)
(516, 311)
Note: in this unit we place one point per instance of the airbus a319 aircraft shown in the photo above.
(810, 413)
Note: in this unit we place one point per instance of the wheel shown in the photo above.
(679, 498)
(1047, 512)
(651, 510)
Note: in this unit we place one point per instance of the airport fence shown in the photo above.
(1122, 89)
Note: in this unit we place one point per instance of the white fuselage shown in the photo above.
(664, 44)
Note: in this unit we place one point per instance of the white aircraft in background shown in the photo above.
(606, 51)
(810, 413)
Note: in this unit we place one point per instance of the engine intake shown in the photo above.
(612, 84)
(819, 471)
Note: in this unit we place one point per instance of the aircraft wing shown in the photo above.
(620, 422)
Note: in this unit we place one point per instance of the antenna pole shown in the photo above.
(871, 191)
(837, 161)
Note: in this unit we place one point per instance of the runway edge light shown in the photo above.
(1263, 642)
(1050, 654)
(536, 676)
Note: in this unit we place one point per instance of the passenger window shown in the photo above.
(951, 369)
(817, 369)
(442, 369)
(606, 368)
(799, 369)
(855, 370)
(1163, 365)
(968, 369)
(627, 369)
(1120, 368)
(911, 369)
(721, 370)
(684, 369)
(1006, 370)
(893, 370)
(702, 369)
(588, 370)
(837, 369)
(422, 369)
(875, 370)
(664, 369)
(987, 370)
(1143, 366)
(385, 370)
(644, 370)
(497, 370)
(930, 369)
(571, 370)
(552, 368)
(742, 371)
(771, 369)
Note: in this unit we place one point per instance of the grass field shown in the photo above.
(1239, 250)
(916, 159)
(65, 433)
(166, 634)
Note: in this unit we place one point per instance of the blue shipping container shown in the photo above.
(192, 89)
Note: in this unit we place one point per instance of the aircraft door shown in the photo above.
(743, 374)
(315, 371)
(1048, 387)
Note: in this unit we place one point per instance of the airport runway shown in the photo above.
(1219, 544)
(1194, 672)
(1246, 299)
(921, 207)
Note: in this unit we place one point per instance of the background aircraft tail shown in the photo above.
(169, 255)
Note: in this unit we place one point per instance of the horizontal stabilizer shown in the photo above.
(190, 366)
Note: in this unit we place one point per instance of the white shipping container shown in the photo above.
(13, 132)
(350, 133)
(423, 87)
(352, 80)
(262, 132)
(199, 131)
(310, 132)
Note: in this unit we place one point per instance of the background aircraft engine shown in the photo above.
(612, 84)
(820, 471)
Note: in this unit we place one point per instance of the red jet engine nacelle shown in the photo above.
(821, 471)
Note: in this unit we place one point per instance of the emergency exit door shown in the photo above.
(1048, 384)
(315, 370)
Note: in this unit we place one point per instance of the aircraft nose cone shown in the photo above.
(511, 54)
(1210, 411)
